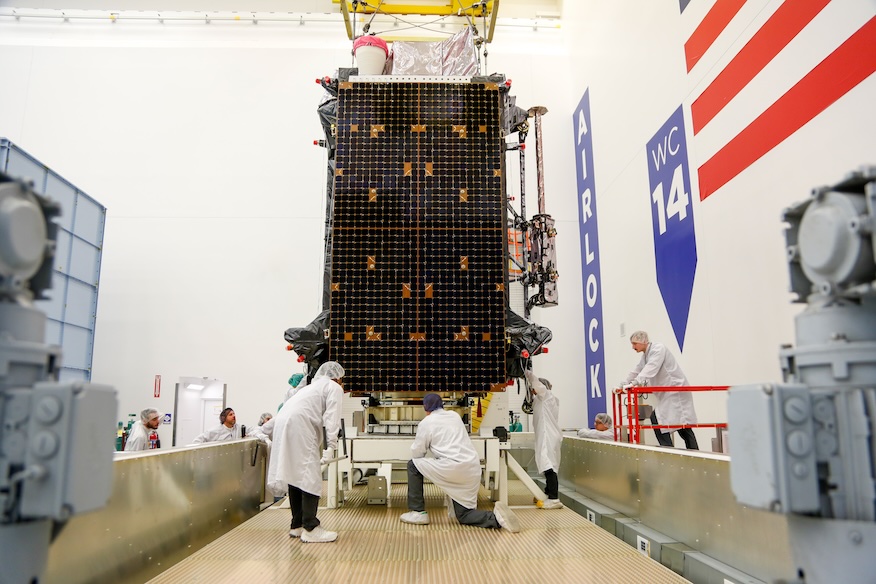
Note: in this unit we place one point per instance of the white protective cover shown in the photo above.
(370, 60)
(455, 56)
(454, 464)
(297, 436)
(658, 368)
(546, 425)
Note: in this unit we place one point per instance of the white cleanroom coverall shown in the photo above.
(658, 368)
(267, 429)
(138, 439)
(455, 465)
(297, 436)
(546, 425)
(596, 434)
(220, 433)
(293, 390)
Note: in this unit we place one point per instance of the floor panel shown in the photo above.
(553, 546)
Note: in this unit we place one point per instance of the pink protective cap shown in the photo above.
(371, 41)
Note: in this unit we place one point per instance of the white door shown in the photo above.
(210, 416)
(196, 407)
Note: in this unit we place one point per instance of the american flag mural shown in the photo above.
(763, 70)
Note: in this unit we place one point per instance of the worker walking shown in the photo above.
(548, 436)
(139, 438)
(658, 368)
(454, 466)
(295, 456)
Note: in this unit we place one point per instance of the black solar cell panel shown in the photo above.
(418, 249)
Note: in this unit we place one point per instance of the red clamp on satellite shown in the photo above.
(508, 83)
(523, 146)
(524, 353)
(301, 358)
(510, 382)
(289, 347)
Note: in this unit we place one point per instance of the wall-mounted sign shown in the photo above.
(675, 243)
(590, 272)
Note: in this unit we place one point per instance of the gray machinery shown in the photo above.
(56, 439)
(806, 447)
(542, 273)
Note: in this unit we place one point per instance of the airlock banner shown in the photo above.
(591, 274)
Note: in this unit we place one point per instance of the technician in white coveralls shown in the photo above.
(295, 457)
(548, 436)
(139, 438)
(601, 429)
(228, 429)
(454, 466)
(658, 368)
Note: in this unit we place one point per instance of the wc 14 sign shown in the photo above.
(675, 244)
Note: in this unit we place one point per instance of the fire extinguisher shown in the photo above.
(154, 442)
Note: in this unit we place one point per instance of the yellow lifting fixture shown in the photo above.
(440, 8)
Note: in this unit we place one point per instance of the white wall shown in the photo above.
(198, 140)
(630, 55)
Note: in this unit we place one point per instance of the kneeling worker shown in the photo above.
(455, 468)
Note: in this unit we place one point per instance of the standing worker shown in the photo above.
(548, 436)
(139, 438)
(226, 430)
(295, 456)
(658, 368)
(454, 466)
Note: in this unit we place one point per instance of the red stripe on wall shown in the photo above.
(836, 75)
(715, 21)
(790, 18)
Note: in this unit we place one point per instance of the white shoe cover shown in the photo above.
(319, 535)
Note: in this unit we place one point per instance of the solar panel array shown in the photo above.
(418, 237)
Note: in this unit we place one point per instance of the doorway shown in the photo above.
(197, 403)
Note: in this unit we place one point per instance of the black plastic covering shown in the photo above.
(328, 118)
(310, 342)
(523, 335)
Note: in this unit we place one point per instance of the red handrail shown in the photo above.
(632, 410)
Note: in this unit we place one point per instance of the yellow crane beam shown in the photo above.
(426, 8)
(436, 8)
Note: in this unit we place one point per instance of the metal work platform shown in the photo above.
(374, 546)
